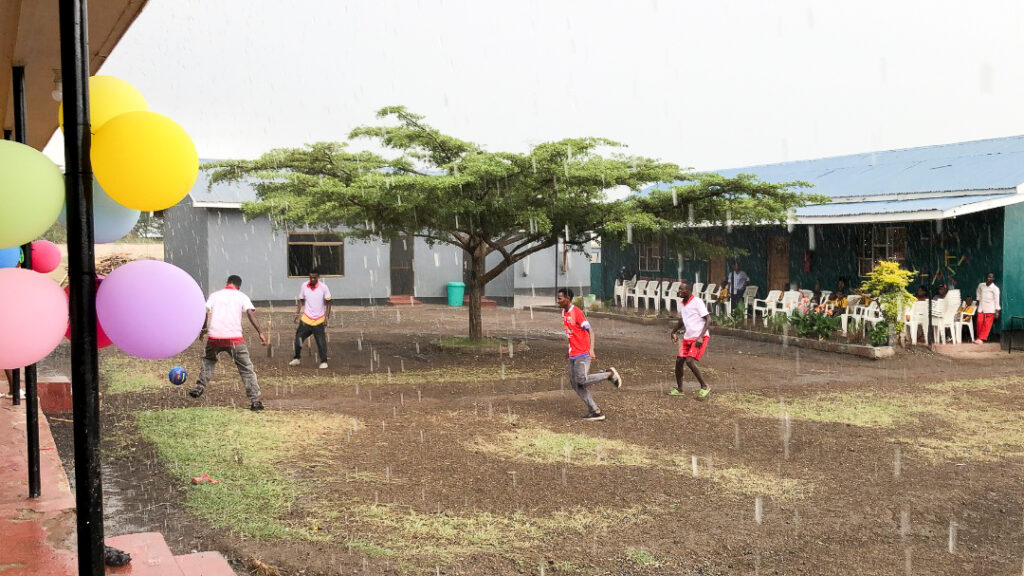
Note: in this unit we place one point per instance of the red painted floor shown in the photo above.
(37, 536)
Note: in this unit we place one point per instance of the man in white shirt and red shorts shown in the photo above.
(694, 320)
(223, 325)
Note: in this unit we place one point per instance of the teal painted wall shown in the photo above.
(1011, 281)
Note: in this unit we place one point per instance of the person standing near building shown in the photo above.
(693, 321)
(738, 281)
(311, 314)
(223, 326)
(988, 307)
(581, 353)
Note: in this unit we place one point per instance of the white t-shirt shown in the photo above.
(738, 281)
(693, 314)
(226, 308)
(988, 298)
(315, 300)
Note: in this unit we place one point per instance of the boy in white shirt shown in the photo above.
(311, 314)
(988, 307)
(223, 323)
(694, 318)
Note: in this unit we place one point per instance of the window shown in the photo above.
(650, 256)
(308, 250)
(880, 243)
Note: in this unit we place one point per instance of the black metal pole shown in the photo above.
(15, 386)
(31, 390)
(74, 56)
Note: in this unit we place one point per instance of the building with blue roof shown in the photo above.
(952, 212)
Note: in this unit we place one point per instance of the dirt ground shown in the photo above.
(814, 496)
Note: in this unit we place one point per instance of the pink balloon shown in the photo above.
(102, 341)
(33, 316)
(45, 256)
(151, 309)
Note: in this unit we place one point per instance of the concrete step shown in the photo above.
(204, 564)
(150, 555)
(403, 300)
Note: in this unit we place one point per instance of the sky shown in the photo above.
(706, 85)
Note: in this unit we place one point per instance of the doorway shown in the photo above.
(778, 263)
(402, 280)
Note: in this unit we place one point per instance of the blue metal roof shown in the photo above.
(994, 164)
(898, 206)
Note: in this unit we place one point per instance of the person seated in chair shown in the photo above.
(941, 292)
(921, 294)
(966, 310)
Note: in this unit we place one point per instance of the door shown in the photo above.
(717, 266)
(402, 281)
(778, 263)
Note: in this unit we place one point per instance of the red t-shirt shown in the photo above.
(577, 330)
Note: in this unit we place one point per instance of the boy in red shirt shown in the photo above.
(581, 352)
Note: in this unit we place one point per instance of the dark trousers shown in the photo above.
(318, 332)
(240, 354)
(737, 301)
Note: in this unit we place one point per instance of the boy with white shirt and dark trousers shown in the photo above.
(311, 314)
(223, 326)
(694, 319)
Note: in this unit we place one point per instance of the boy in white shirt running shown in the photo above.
(694, 317)
(311, 314)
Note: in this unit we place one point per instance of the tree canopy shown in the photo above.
(451, 191)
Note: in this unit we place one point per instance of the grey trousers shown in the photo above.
(240, 354)
(581, 380)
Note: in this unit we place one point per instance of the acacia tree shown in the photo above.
(450, 191)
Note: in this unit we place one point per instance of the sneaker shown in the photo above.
(323, 365)
(294, 362)
(594, 416)
(204, 479)
(702, 394)
(256, 406)
(195, 392)
(675, 392)
(615, 378)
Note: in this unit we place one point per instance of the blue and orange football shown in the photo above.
(178, 375)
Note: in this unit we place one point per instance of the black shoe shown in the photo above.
(195, 392)
(256, 406)
(114, 557)
(615, 378)
(594, 416)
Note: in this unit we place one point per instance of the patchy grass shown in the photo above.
(447, 536)
(451, 375)
(744, 481)
(123, 375)
(370, 549)
(641, 557)
(996, 385)
(866, 409)
(244, 451)
(540, 445)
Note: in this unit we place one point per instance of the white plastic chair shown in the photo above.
(619, 293)
(670, 296)
(652, 297)
(710, 295)
(636, 292)
(964, 319)
(946, 321)
(749, 296)
(916, 319)
(789, 303)
(852, 307)
(824, 296)
(697, 290)
(809, 294)
(872, 313)
(767, 305)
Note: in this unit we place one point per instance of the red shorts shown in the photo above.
(688, 348)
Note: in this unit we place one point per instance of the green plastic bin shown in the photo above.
(456, 290)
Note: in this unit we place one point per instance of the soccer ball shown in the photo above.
(177, 375)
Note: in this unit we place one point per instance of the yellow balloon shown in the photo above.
(108, 97)
(144, 160)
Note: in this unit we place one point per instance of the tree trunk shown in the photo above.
(478, 268)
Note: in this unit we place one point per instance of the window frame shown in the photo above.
(646, 255)
(314, 242)
(881, 243)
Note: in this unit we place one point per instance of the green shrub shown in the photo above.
(777, 323)
(879, 334)
(814, 324)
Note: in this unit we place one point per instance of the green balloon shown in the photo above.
(31, 193)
